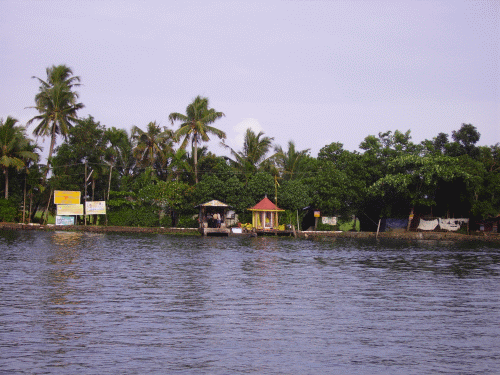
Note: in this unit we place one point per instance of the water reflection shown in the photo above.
(456, 263)
(61, 322)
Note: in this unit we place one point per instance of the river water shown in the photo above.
(84, 303)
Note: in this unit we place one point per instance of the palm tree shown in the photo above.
(15, 148)
(195, 126)
(179, 163)
(57, 104)
(290, 162)
(118, 154)
(152, 146)
(253, 155)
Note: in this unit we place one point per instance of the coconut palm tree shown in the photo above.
(15, 148)
(253, 154)
(118, 154)
(57, 104)
(195, 126)
(179, 163)
(152, 146)
(290, 162)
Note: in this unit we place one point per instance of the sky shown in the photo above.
(313, 72)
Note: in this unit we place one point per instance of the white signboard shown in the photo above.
(95, 208)
(70, 209)
(330, 220)
(65, 220)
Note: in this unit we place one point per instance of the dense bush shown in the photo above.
(187, 221)
(8, 211)
(141, 216)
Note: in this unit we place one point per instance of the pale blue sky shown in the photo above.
(314, 72)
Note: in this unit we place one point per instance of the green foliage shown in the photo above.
(85, 143)
(253, 157)
(171, 194)
(8, 211)
(293, 195)
(418, 177)
(291, 163)
(326, 227)
(259, 185)
(57, 104)
(153, 147)
(140, 216)
(16, 149)
(210, 187)
(195, 126)
(289, 217)
(187, 221)
(120, 199)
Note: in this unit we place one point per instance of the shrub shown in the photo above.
(8, 211)
(187, 221)
(142, 216)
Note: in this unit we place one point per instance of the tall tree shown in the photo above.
(153, 146)
(57, 104)
(85, 144)
(15, 148)
(118, 152)
(465, 140)
(254, 152)
(195, 126)
(291, 162)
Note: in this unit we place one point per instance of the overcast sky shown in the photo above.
(314, 72)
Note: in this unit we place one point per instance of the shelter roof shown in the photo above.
(213, 203)
(265, 205)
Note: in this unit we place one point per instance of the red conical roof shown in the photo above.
(265, 205)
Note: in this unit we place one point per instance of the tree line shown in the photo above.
(156, 175)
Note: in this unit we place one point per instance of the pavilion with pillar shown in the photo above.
(265, 215)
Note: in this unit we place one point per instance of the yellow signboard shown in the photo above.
(70, 209)
(66, 197)
(95, 208)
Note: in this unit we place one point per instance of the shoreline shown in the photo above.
(432, 236)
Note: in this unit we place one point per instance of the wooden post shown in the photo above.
(24, 200)
(31, 204)
(85, 197)
(109, 188)
(378, 228)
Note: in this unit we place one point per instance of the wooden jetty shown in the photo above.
(220, 232)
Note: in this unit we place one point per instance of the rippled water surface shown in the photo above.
(81, 303)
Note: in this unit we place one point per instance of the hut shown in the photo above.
(265, 215)
(212, 218)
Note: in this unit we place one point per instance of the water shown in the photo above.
(82, 303)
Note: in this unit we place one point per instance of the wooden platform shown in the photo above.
(275, 232)
(215, 231)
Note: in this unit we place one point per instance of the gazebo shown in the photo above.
(208, 210)
(265, 215)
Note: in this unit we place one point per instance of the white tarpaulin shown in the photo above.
(451, 224)
(428, 224)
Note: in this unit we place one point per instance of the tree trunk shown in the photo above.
(195, 159)
(6, 173)
(51, 150)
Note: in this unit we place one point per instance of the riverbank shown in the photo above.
(433, 236)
